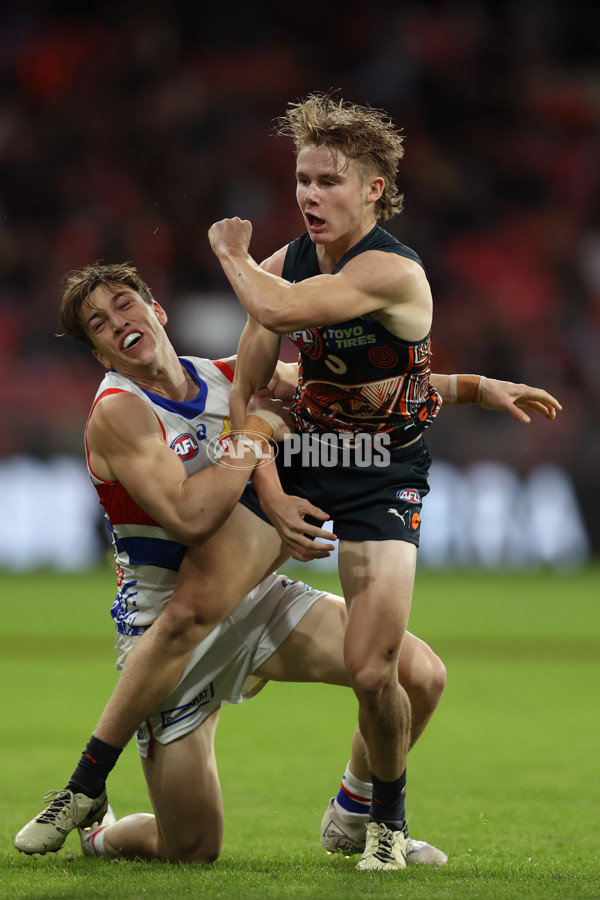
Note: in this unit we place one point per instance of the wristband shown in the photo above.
(480, 389)
(452, 386)
(465, 388)
(255, 424)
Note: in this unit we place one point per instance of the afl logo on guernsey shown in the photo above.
(304, 339)
(185, 446)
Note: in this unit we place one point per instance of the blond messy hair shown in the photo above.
(361, 133)
(80, 283)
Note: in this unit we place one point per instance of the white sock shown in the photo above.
(97, 841)
(353, 801)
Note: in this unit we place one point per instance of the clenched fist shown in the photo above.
(230, 237)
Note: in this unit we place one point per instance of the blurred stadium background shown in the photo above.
(127, 128)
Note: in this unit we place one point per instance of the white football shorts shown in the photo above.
(220, 668)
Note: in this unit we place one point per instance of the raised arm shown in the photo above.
(370, 282)
(257, 365)
(258, 352)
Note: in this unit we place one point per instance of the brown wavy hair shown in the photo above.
(361, 133)
(80, 283)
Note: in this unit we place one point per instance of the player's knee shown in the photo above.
(200, 850)
(370, 679)
(176, 629)
(175, 621)
(190, 609)
(199, 855)
(198, 609)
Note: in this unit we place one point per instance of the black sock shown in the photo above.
(388, 802)
(96, 763)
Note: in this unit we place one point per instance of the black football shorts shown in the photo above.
(378, 501)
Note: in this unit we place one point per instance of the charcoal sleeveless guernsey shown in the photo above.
(356, 376)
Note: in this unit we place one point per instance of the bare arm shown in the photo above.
(258, 352)
(371, 282)
(284, 381)
(126, 445)
(288, 512)
(257, 365)
(516, 399)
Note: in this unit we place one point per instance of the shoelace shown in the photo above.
(385, 848)
(61, 799)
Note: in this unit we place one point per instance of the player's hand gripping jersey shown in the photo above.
(356, 376)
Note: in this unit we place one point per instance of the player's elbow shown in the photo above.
(188, 533)
(274, 319)
(193, 536)
(208, 522)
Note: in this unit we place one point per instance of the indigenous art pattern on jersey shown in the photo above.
(356, 376)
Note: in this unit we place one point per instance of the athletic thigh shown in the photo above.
(215, 575)
(314, 651)
(183, 784)
(377, 578)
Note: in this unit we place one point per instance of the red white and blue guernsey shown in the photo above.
(356, 376)
(148, 557)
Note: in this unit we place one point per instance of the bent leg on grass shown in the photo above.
(183, 784)
(213, 578)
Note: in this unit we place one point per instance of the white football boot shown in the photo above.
(384, 848)
(350, 837)
(66, 811)
(342, 837)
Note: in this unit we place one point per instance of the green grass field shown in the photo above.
(505, 780)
